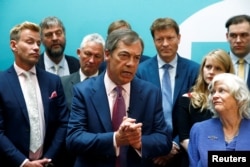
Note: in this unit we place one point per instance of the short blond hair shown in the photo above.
(16, 30)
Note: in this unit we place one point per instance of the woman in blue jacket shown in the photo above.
(229, 130)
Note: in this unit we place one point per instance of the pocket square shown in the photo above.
(53, 95)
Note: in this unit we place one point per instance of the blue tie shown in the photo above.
(167, 101)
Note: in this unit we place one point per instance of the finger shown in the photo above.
(131, 120)
(136, 125)
(44, 161)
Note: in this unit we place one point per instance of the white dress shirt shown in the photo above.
(21, 78)
(63, 68)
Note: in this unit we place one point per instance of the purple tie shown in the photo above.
(119, 110)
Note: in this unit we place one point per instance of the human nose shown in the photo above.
(215, 95)
(91, 59)
(211, 70)
(54, 36)
(238, 38)
(132, 61)
(36, 46)
(165, 41)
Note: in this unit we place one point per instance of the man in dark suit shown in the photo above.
(17, 146)
(183, 73)
(238, 37)
(141, 134)
(91, 55)
(54, 41)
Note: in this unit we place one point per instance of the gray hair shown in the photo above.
(237, 88)
(50, 22)
(95, 37)
(127, 36)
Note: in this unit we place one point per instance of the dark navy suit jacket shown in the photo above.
(186, 74)
(14, 120)
(90, 133)
(73, 63)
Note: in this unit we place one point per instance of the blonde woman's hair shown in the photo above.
(200, 92)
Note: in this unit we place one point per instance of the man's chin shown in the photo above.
(56, 54)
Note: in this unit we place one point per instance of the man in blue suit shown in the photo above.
(16, 113)
(141, 134)
(183, 73)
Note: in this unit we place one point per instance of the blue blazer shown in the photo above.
(186, 74)
(209, 135)
(14, 120)
(90, 133)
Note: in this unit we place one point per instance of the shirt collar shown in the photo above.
(83, 76)
(19, 70)
(235, 58)
(110, 85)
(50, 64)
(161, 63)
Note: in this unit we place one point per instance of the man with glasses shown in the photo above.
(238, 37)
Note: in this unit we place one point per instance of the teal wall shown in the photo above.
(82, 17)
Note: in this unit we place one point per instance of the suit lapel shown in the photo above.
(101, 104)
(44, 85)
(136, 100)
(17, 91)
(73, 80)
(154, 72)
(179, 78)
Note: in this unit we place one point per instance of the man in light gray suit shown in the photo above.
(91, 55)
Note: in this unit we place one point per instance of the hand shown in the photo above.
(166, 159)
(133, 133)
(129, 133)
(37, 163)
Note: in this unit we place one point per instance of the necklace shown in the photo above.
(228, 139)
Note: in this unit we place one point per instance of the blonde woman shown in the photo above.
(192, 106)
